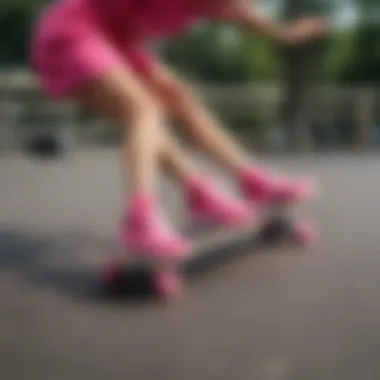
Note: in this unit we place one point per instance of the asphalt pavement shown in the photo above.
(280, 314)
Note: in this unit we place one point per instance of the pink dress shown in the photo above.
(76, 41)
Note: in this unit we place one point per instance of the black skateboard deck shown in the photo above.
(212, 247)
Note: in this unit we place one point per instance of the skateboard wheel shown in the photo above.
(111, 274)
(275, 231)
(304, 233)
(168, 286)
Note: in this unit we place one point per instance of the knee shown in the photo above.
(177, 95)
(148, 104)
(145, 107)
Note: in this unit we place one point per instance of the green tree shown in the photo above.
(364, 62)
(16, 19)
(300, 65)
(219, 53)
(211, 53)
(338, 55)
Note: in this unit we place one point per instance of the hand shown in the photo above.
(305, 30)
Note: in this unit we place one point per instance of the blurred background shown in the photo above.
(274, 316)
(318, 97)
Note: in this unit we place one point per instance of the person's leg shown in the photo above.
(120, 96)
(204, 199)
(202, 126)
(257, 183)
(175, 159)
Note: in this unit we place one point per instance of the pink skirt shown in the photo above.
(69, 49)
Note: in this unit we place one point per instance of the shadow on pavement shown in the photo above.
(63, 262)
(54, 261)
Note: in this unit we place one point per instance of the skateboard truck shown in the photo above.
(140, 279)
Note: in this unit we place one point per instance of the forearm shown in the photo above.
(247, 17)
(262, 25)
(244, 15)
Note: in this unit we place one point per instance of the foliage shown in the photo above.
(220, 53)
(215, 52)
(363, 65)
(16, 19)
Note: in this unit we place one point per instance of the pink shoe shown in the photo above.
(208, 203)
(145, 232)
(260, 187)
(168, 286)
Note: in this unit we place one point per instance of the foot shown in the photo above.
(208, 203)
(261, 187)
(145, 232)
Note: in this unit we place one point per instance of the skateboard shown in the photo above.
(137, 278)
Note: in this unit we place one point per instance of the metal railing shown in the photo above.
(344, 116)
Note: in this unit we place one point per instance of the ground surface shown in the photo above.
(275, 315)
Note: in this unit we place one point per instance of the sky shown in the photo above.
(345, 15)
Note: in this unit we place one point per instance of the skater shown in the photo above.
(94, 52)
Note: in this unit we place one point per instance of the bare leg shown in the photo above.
(210, 136)
(199, 123)
(176, 161)
(255, 181)
(204, 199)
(121, 97)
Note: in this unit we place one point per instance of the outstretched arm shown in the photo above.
(244, 14)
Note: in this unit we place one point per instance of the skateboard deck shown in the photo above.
(214, 246)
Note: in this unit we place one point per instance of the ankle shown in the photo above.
(140, 206)
(251, 173)
(194, 182)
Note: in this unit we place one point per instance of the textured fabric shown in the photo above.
(79, 40)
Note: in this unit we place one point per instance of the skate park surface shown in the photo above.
(280, 314)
